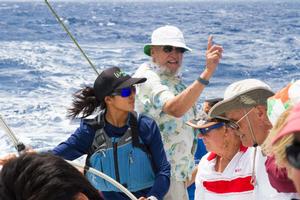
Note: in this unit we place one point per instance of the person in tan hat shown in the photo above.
(166, 99)
(245, 106)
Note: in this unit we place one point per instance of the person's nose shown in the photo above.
(132, 94)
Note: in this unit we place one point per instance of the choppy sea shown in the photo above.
(40, 67)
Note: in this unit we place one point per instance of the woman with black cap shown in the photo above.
(118, 141)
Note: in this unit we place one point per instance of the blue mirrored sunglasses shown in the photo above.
(124, 92)
(204, 131)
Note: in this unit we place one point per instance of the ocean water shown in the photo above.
(40, 68)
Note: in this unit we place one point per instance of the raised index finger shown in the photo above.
(209, 42)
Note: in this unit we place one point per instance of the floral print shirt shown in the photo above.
(179, 139)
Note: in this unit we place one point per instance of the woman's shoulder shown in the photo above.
(145, 120)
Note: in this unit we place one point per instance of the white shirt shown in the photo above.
(232, 184)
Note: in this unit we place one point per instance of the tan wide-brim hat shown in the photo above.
(242, 94)
(198, 123)
(166, 35)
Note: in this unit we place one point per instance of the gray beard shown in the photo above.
(165, 70)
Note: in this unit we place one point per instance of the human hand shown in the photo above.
(213, 56)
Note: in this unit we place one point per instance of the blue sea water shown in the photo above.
(40, 67)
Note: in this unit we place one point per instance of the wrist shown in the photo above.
(202, 81)
(206, 74)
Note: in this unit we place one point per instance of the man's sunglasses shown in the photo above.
(204, 131)
(169, 49)
(124, 92)
(235, 124)
(293, 154)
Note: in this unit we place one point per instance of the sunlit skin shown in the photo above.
(170, 61)
(214, 140)
(206, 108)
(259, 122)
(122, 104)
(223, 142)
(118, 108)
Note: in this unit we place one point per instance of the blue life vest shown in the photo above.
(125, 159)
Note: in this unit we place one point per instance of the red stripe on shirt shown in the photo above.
(235, 185)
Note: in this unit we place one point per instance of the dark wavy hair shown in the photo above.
(43, 176)
(84, 102)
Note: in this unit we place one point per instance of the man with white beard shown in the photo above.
(167, 100)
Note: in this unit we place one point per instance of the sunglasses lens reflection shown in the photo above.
(125, 92)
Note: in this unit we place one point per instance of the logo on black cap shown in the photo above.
(119, 74)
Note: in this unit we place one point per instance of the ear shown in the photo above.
(262, 116)
(108, 100)
(226, 131)
(152, 51)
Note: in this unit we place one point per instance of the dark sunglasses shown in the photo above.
(169, 49)
(293, 154)
(204, 131)
(124, 92)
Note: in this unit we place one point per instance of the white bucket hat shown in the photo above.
(242, 94)
(166, 35)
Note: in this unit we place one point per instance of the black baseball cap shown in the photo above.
(111, 79)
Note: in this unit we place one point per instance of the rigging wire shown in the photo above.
(92, 170)
(71, 36)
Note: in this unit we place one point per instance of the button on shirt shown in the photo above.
(178, 138)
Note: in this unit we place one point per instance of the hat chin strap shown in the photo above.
(253, 175)
(252, 132)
